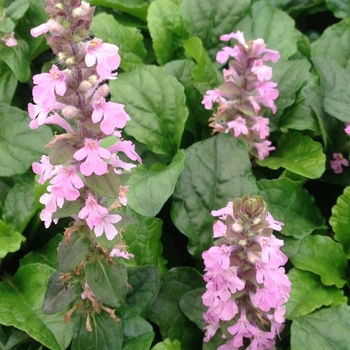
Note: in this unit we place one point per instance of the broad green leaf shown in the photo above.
(106, 333)
(150, 188)
(192, 306)
(324, 329)
(297, 153)
(309, 294)
(108, 283)
(17, 59)
(17, 9)
(8, 84)
(71, 255)
(58, 296)
(165, 310)
(129, 40)
(138, 333)
(289, 202)
(144, 284)
(340, 220)
(216, 171)
(10, 240)
(155, 102)
(21, 306)
(168, 344)
(46, 255)
(205, 75)
(19, 146)
(143, 240)
(322, 256)
(167, 30)
(340, 8)
(19, 205)
(208, 20)
(7, 26)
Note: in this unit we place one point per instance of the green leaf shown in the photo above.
(297, 153)
(324, 329)
(46, 255)
(168, 344)
(208, 20)
(166, 28)
(129, 40)
(17, 9)
(10, 240)
(289, 202)
(322, 256)
(205, 75)
(69, 208)
(309, 294)
(71, 255)
(192, 306)
(207, 183)
(106, 333)
(340, 220)
(108, 283)
(8, 84)
(143, 240)
(150, 188)
(155, 102)
(58, 296)
(19, 146)
(138, 333)
(19, 205)
(165, 311)
(340, 9)
(145, 283)
(21, 307)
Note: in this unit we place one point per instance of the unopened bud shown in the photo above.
(70, 112)
(237, 228)
(93, 79)
(70, 61)
(256, 221)
(85, 86)
(59, 6)
(62, 56)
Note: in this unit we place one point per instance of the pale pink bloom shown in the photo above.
(275, 225)
(239, 36)
(10, 40)
(57, 120)
(223, 212)
(66, 183)
(263, 149)
(106, 55)
(87, 293)
(266, 94)
(212, 326)
(270, 251)
(227, 52)
(259, 48)
(241, 329)
(226, 310)
(123, 190)
(261, 127)
(51, 25)
(265, 298)
(127, 147)
(46, 216)
(219, 229)
(239, 126)
(217, 258)
(45, 169)
(116, 252)
(347, 128)
(48, 84)
(94, 156)
(261, 340)
(51, 201)
(338, 162)
(262, 72)
(118, 163)
(113, 114)
(92, 212)
(210, 97)
(106, 225)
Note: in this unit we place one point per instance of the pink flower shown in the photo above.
(239, 126)
(10, 40)
(113, 115)
(241, 329)
(93, 155)
(239, 36)
(46, 170)
(51, 25)
(210, 97)
(261, 127)
(263, 149)
(217, 258)
(127, 147)
(116, 252)
(92, 212)
(262, 72)
(275, 225)
(106, 225)
(106, 55)
(337, 163)
(347, 128)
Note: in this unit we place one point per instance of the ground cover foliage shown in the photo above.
(168, 50)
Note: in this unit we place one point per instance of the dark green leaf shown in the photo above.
(309, 294)
(168, 344)
(8, 84)
(324, 329)
(17, 9)
(19, 146)
(108, 283)
(216, 171)
(290, 203)
(322, 256)
(340, 8)
(165, 311)
(10, 240)
(69, 208)
(155, 102)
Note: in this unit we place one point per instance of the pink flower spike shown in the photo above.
(337, 163)
(261, 127)
(106, 225)
(239, 126)
(93, 155)
(263, 149)
(92, 212)
(113, 114)
(105, 54)
(10, 40)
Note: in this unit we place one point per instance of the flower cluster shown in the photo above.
(246, 285)
(245, 93)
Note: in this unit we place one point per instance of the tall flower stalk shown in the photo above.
(83, 176)
(246, 284)
(247, 91)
